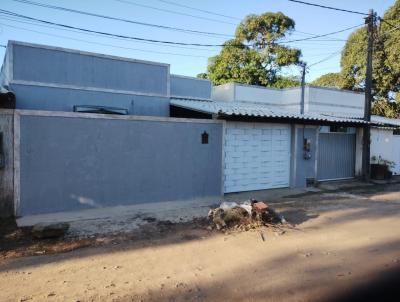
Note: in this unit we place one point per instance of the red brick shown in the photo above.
(260, 206)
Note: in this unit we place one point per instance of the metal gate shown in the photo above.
(336, 156)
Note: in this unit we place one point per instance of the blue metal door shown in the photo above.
(336, 156)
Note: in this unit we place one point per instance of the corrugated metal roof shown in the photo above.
(385, 120)
(254, 110)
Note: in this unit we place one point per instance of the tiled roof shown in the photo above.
(385, 120)
(254, 110)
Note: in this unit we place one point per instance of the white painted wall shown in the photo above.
(334, 102)
(292, 99)
(382, 143)
(247, 93)
(223, 93)
(328, 101)
(396, 154)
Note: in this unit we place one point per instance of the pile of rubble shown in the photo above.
(248, 214)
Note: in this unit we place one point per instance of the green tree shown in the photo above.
(202, 75)
(286, 82)
(332, 79)
(384, 108)
(386, 58)
(254, 56)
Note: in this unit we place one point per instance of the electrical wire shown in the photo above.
(174, 12)
(184, 30)
(97, 35)
(10, 13)
(387, 22)
(198, 9)
(60, 8)
(104, 44)
(394, 27)
(325, 59)
(324, 35)
(329, 7)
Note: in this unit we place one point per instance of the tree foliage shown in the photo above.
(385, 64)
(254, 55)
(286, 82)
(202, 75)
(384, 108)
(386, 57)
(333, 80)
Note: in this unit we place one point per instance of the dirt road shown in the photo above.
(341, 240)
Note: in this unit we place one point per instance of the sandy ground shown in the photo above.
(341, 240)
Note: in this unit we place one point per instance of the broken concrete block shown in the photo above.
(260, 206)
(52, 230)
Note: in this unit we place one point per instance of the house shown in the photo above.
(270, 143)
(88, 130)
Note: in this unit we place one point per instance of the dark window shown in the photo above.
(338, 129)
(100, 109)
(204, 138)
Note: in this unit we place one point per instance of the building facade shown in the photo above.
(91, 130)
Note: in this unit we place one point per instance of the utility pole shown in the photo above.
(370, 22)
(303, 83)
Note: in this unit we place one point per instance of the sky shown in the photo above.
(184, 60)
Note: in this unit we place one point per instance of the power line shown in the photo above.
(60, 8)
(104, 33)
(329, 7)
(184, 30)
(326, 59)
(387, 22)
(10, 13)
(173, 12)
(198, 9)
(103, 44)
(390, 24)
(392, 30)
(324, 35)
(8, 18)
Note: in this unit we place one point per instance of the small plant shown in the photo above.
(380, 161)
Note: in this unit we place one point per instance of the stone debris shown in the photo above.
(246, 215)
(54, 230)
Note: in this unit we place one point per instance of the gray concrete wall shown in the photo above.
(7, 172)
(63, 99)
(78, 163)
(74, 68)
(305, 168)
(190, 87)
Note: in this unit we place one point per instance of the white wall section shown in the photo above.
(382, 143)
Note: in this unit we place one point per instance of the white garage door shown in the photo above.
(257, 156)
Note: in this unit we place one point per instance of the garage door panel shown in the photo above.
(257, 156)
